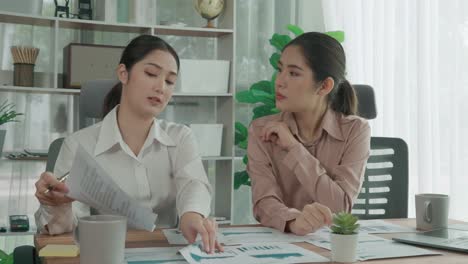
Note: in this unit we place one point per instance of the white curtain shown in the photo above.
(415, 55)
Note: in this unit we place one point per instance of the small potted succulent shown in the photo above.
(7, 114)
(344, 237)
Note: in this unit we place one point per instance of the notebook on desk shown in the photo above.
(447, 238)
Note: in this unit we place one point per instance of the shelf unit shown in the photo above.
(224, 38)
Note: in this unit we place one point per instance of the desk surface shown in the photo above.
(136, 238)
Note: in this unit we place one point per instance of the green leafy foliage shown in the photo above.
(7, 113)
(5, 258)
(344, 224)
(338, 35)
(262, 96)
(295, 30)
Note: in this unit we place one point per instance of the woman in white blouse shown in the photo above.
(152, 160)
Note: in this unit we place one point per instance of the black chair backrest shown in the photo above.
(384, 193)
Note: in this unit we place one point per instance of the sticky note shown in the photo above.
(59, 251)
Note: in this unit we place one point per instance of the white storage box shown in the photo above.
(203, 76)
(209, 138)
(30, 7)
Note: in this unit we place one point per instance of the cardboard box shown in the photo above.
(84, 62)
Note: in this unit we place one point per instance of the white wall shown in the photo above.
(309, 15)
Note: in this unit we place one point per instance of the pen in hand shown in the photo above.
(60, 179)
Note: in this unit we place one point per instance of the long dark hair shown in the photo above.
(326, 57)
(135, 51)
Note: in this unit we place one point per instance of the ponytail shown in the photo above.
(112, 99)
(344, 100)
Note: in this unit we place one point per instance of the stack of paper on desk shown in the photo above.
(89, 183)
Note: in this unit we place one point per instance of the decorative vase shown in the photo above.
(343, 247)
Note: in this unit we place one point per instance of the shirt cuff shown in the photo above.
(290, 214)
(200, 209)
(58, 219)
(292, 157)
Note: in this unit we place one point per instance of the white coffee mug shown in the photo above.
(431, 211)
(101, 239)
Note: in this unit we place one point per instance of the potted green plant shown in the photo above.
(7, 114)
(5, 258)
(262, 96)
(344, 237)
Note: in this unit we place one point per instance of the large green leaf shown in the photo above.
(264, 86)
(243, 144)
(241, 128)
(238, 138)
(241, 178)
(274, 59)
(263, 110)
(273, 81)
(245, 160)
(245, 97)
(279, 41)
(338, 35)
(295, 30)
(264, 97)
(3, 255)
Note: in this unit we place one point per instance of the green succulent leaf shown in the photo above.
(295, 30)
(345, 224)
(274, 59)
(338, 35)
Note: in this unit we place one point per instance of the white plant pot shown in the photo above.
(343, 247)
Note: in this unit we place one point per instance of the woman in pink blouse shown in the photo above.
(308, 161)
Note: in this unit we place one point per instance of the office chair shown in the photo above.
(92, 101)
(91, 106)
(384, 192)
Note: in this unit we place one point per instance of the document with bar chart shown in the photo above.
(89, 183)
(253, 253)
(240, 235)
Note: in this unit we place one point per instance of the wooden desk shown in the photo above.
(156, 239)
